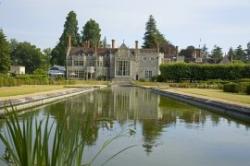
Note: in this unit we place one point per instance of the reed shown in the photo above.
(30, 142)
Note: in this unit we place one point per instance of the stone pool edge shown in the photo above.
(233, 110)
(39, 100)
(240, 112)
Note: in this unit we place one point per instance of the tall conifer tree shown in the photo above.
(4, 53)
(152, 37)
(70, 28)
(91, 32)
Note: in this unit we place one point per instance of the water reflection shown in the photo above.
(164, 128)
(154, 113)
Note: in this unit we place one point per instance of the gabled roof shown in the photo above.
(123, 46)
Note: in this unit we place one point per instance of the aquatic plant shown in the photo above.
(31, 142)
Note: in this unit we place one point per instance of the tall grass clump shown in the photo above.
(30, 142)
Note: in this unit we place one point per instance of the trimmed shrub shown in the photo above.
(248, 89)
(231, 87)
(178, 72)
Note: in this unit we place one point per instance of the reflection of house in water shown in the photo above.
(136, 103)
(151, 112)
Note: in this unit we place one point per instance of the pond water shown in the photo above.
(165, 131)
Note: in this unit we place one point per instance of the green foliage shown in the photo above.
(152, 37)
(4, 53)
(40, 71)
(35, 79)
(248, 89)
(216, 55)
(231, 54)
(28, 55)
(194, 72)
(240, 54)
(31, 142)
(58, 54)
(231, 87)
(91, 32)
(188, 53)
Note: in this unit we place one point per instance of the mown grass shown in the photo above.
(27, 89)
(151, 84)
(216, 94)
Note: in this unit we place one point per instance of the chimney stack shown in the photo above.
(69, 41)
(136, 44)
(113, 43)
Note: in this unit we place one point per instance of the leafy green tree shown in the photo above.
(152, 37)
(4, 53)
(13, 45)
(70, 28)
(188, 53)
(240, 54)
(216, 55)
(91, 32)
(47, 56)
(30, 56)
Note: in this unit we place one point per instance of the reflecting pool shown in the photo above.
(164, 131)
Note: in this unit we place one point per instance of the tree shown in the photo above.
(30, 56)
(47, 57)
(104, 42)
(248, 52)
(4, 53)
(216, 55)
(70, 28)
(240, 54)
(231, 54)
(188, 53)
(152, 37)
(91, 32)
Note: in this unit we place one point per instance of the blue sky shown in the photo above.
(183, 22)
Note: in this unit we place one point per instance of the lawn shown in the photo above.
(215, 94)
(27, 89)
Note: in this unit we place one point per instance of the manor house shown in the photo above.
(112, 63)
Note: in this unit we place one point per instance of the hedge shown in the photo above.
(6, 80)
(248, 89)
(195, 72)
(231, 87)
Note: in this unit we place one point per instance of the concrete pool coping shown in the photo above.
(231, 109)
(31, 100)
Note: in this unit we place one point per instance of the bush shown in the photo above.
(248, 89)
(231, 87)
(196, 72)
(34, 79)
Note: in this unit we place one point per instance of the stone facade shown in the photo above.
(121, 63)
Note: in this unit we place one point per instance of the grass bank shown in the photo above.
(213, 94)
(208, 93)
(35, 89)
(27, 89)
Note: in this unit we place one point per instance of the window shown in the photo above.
(78, 63)
(69, 62)
(148, 74)
(122, 68)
